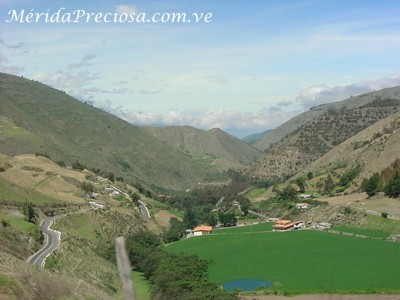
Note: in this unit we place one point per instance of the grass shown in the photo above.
(156, 204)
(19, 223)
(176, 213)
(142, 287)
(361, 231)
(80, 225)
(10, 192)
(254, 194)
(245, 229)
(300, 261)
(6, 282)
(379, 223)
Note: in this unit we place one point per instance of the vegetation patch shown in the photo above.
(32, 169)
(20, 224)
(10, 192)
(364, 232)
(379, 223)
(300, 261)
(142, 286)
(263, 227)
(80, 225)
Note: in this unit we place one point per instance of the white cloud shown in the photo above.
(126, 9)
(320, 94)
(75, 84)
(234, 122)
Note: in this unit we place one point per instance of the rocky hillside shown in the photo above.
(288, 127)
(312, 140)
(225, 150)
(374, 149)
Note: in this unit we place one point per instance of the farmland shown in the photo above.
(299, 261)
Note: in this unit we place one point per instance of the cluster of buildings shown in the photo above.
(284, 225)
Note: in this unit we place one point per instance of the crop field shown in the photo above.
(365, 232)
(262, 227)
(299, 261)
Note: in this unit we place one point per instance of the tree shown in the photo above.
(175, 232)
(227, 219)
(88, 187)
(29, 212)
(189, 219)
(111, 176)
(349, 175)
(329, 185)
(135, 198)
(288, 193)
(310, 175)
(393, 187)
(142, 247)
(61, 163)
(301, 182)
(212, 219)
(173, 276)
(244, 205)
(78, 166)
(372, 185)
(182, 277)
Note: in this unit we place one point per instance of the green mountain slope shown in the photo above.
(37, 118)
(226, 150)
(253, 138)
(288, 127)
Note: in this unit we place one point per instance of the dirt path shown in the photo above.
(325, 297)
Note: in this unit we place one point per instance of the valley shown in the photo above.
(334, 169)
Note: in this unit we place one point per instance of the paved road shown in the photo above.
(53, 237)
(144, 210)
(52, 242)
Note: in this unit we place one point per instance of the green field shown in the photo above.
(245, 229)
(142, 287)
(365, 232)
(300, 261)
(19, 223)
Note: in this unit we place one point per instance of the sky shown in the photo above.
(243, 66)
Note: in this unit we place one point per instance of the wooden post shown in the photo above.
(124, 268)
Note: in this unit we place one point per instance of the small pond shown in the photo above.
(246, 284)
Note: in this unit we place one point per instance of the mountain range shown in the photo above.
(36, 118)
(313, 134)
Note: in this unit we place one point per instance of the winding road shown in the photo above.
(52, 242)
(53, 237)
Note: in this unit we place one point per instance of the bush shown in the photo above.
(5, 223)
(61, 163)
(385, 215)
(78, 166)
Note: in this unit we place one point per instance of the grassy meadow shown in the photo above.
(299, 261)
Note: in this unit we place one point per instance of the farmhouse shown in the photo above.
(283, 225)
(202, 230)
